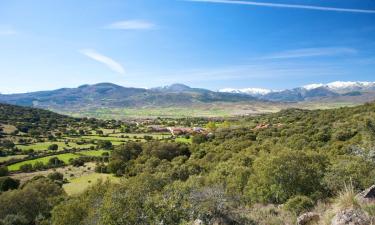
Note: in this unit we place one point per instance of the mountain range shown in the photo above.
(112, 96)
(308, 92)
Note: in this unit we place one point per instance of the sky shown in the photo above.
(212, 44)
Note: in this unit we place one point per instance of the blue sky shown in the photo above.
(203, 43)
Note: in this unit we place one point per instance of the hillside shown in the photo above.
(110, 101)
(266, 169)
(115, 96)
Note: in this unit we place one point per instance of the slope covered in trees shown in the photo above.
(295, 157)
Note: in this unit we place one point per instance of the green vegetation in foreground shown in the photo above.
(64, 157)
(240, 174)
(80, 184)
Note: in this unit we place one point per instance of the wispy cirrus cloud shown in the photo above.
(131, 25)
(110, 63)
(312, 52)
(282, 5)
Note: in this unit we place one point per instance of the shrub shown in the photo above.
(38, 166)
(56, 176)
(7, 183)
(53, 147)
(281, 175)
(299, 204)
(55, 162)
(26, 167)
(105, 144)
(77, 162)
(3, 171)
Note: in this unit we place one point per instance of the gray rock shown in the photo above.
(308, 218)
(367, 195)
(350, 217)
(198, 222)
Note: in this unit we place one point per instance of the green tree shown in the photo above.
(281, 175)
(3, 171)
(8, 183)
(53, 147)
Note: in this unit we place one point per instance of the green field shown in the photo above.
(6, 158)
(64, 157)
(183, 140)
(80, 184)
(93, 153)
(43, 146)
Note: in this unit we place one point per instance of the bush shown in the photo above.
(55, 162)
(26, 167)
(7, 183)
(105, 144)
(56, 176)
(199, 138)
(38, 166)
(299, 204)
(349, 169)
(3, 171)
(77, 162)
(53, 147)
(281, 175)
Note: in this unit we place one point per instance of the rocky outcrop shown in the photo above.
(350, 217)
(368, 195)
(308, 218)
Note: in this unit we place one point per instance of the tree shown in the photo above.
(211, 126)
(281, 175)
(55, 162)
(349, 170)
(26, 167)
(199, 138)
(36, 198)
(53, 147)
(7, 144)
(3, 171)
(8, 183)
(77, 162)
(105, 144)
(56, 176)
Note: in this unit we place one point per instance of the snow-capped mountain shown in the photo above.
(344, 86)
(249, 91)
(309, 91)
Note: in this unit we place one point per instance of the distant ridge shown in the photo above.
(112, 95)
(104, 96)
(333, 89)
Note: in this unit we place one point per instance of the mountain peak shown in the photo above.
(176, 87)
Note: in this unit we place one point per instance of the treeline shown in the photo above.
(38, 122)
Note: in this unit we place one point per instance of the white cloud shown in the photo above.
(312, 52)
(131, 25)
(110, 63)
(281, 5)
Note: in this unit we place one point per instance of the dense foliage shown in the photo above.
(295, 157)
